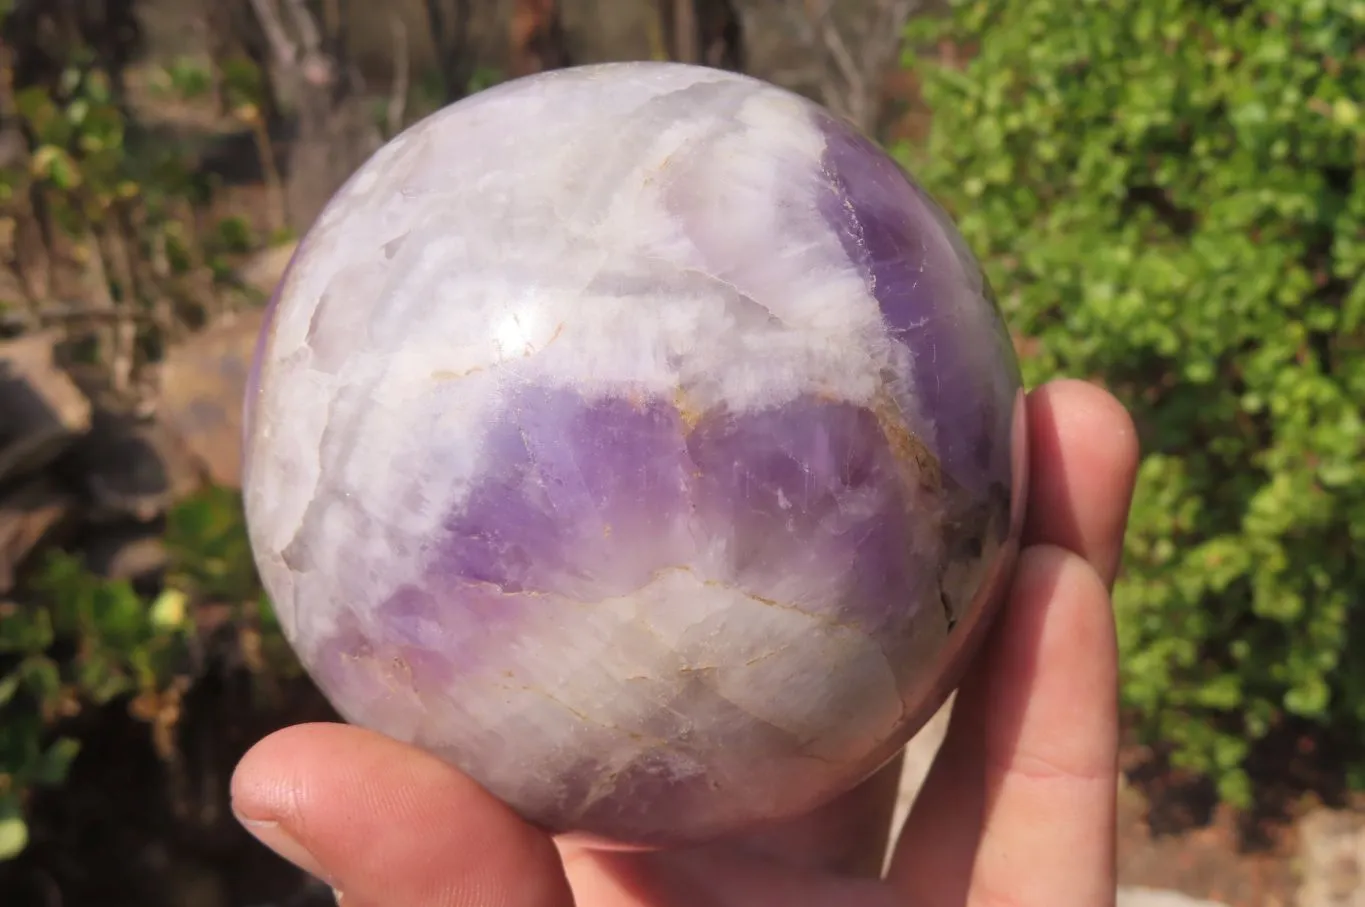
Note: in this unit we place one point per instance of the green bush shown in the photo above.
(78, 641)
(1169, 196)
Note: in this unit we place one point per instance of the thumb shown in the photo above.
(386, 824)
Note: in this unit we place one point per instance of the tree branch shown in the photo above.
(275, 34)
(398, 94)
(854, 47)
(310, 36)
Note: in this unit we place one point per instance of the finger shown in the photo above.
(1019, 805)
(1083, 457)
(713, 877)
(386, 824)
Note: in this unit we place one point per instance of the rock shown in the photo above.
(134, 468)
(1332, 859)
(1153, 897)
(30, 515)
(266, 268)
(127, 552)
(42, 411)
(203, 382)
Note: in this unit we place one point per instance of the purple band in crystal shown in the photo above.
(923, 278)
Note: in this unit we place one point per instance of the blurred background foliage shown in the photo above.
(1165, 194)
(1168, 196)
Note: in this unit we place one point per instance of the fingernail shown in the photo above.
(273, 835)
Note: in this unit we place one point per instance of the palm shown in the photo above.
(1017, 809)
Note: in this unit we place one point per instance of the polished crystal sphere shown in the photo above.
(640, 439)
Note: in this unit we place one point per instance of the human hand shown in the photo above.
(1018, 808)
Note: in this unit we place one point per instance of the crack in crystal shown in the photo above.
(447, 376)
(822, 619)
(583, 716)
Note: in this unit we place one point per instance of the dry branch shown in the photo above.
(398, 92)
(538, 40)
(709, 32)
(450, 36)
(852, 45)
(334, 131)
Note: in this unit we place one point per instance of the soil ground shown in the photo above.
(1205, 858)
(1173, 833)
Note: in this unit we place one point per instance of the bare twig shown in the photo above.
(398, 93)
(464, 15)
(287, 57)
(843, 60)
(853, 47)
(310, 36)
(538, 42)
(709, 32)
(341, 34)
(215, 36)
(109, 335)
(658, 45)
(685, 36)
(270, 170)
(450, 37)
(123, 352)
(69, 312)
(436, 19)
(153, 271)
(333, 18)
(333, 130)
(116, 251)
(275, 34)
(30, 259)
(319, 66)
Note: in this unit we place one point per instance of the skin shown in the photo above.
(1018, 810)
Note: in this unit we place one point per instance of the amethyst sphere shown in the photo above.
(640, 439)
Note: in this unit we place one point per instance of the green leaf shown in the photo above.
(51, 162)
(9, 685)
(13, 829)
(168, 611)
(24, 628)
(55, 763)
(41, 677)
